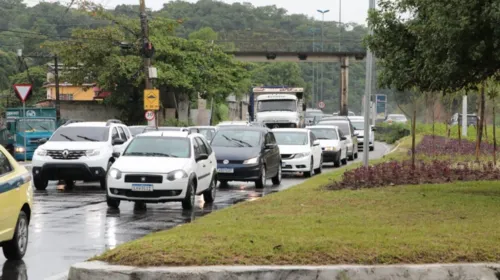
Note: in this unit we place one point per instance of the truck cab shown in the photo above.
(23, 133)
(277, 107)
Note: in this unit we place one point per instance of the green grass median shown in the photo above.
(308, 225)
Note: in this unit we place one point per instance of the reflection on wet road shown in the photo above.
(72, 226)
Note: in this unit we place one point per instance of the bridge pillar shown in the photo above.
(344, 85)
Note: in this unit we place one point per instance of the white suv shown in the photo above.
(163, 166)
(79, 151)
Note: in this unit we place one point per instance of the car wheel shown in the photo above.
(319, 170)
(40, 184)
(277, 179)
(209, 194)
(344, 161)
(103, 180)
(112, 202)
(223, 184)
(16, 248)
(70, 184)
(372, 148)
(337, 162)
(356, 154)
(188, 202)
(261, 182)
(351, 156)
(310, 172)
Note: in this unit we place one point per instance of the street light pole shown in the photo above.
(340, 24)
(368, 92)
(323, 12)
(313, 97)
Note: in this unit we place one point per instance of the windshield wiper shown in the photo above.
(161, 155)
(134, 154)
(44, 127)
(67, 137)
(87, 138)
(233, 140)
(241, 142)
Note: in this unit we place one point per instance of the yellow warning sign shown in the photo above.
(151, 99)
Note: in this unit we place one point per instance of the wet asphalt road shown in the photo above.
(72, 226)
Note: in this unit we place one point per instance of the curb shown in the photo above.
(100, 270)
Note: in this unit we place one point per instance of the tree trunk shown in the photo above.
(485, 128)
(433, 120)
(494, 136)
(459, 127)
(413, 128)
(480, 123)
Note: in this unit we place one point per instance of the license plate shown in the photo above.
(142, 187)
(225, 170)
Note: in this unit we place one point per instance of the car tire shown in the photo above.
(188, 201)
(356, 155)
(277, 179)
(113, 202)
(103, 182)
(338, 161)
(15, 248)
(209, 194)
(372, 148)
(223, 184)
(351, 157)
(319, 170)
(261, 182)
(40, 184)
(70, 184)
(309, 173)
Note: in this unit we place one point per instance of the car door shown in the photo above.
(267, 155)
(202, 166)
(212, 161)
(116, 135)
(275, 153)
(354, 138)
(9, 198)
(315, 149)
(343, 144)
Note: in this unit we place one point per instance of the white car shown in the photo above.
(163, 166)
(79, 151)
(233, 123)
(300, 151)
(396, 118)
(359, 126)
(333, 145)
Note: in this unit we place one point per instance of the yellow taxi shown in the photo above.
(16, 202)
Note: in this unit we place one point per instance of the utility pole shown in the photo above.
(368, 93)
(147, 60)
(340, 25)
(313, 99)
(56, 78)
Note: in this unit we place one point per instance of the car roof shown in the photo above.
(203, 126)
(396, 115)
(233, 123)
(87, 124)
(246, 128)
(357, 118)
(290, 130)
(323, 126)
(182, 134)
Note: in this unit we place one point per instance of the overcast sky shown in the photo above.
(352, 10)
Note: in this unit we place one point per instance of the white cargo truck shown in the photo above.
(277, 106)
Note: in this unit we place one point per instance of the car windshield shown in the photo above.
(343, 126)
(162, 128)
(312, 114)
(81, 134)
(145, 146)
(358, 125)
(277, 105)
(237, 138)
(207, 132)
(34, 125)
(137, 130)
(287, 138)
(325, 133)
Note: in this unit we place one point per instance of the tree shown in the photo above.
(281, 73)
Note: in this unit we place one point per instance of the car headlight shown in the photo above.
(301, 155)
(20, 149)
(91, 153)
(115, 173)
(176, 175)
(334, 149)
(251, 160)
(41, 152)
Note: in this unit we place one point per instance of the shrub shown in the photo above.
(439, 146)
(404, 173)
(391, 133)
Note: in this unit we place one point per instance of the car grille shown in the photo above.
(56, 154)
(154, 179)
(230, 162)
(287, 156)
(153, 194)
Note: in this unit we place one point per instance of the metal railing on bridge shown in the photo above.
(290, 45)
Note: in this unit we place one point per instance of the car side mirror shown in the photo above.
(270, 146)
(202, 157)
(316, 143)
(304, 107)
(373, 128)
(116, 155)
(356, 134)
(42, 141)
(116, 142)
(343, 138)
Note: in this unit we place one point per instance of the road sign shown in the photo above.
(149, 115)
(151, 99)
(321, 105)
(381, 103)
(22, 91)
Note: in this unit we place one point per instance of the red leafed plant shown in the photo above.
(403, 173)
(439, 145)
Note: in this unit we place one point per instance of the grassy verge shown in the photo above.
(308, 225)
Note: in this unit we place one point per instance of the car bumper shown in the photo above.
(329, 156)
(238, 172)
(166, 191)
(19, 156)
(68, 171)
(361, 143)
(296, 165)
